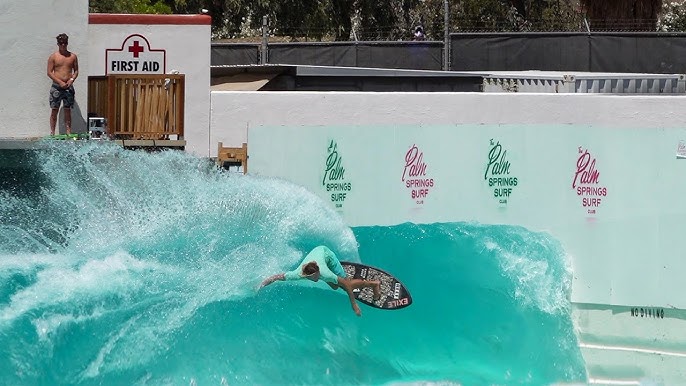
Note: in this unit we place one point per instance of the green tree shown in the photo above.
(341, 13)
(396, 19)
(227, 15)
(479, 15)
(516, 15)
(388, 19)
(622, 14)
(128, 6)
(295, 18)
(428, 14)
(673, 17)
(498, 15)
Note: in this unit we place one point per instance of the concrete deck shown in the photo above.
(35, 143)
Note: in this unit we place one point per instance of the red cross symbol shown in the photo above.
(136, 49)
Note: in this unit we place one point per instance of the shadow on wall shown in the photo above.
(78, 122)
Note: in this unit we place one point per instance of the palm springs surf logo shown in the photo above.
(586, 182)
(334, 176)
(414, 175)
(498, 174)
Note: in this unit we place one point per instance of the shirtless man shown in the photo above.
(63, 68)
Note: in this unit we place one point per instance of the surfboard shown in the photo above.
(394, 295)
(75, 136)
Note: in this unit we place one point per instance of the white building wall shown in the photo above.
(634, 140)
(187, 49)
(234, 112)
(29, 28)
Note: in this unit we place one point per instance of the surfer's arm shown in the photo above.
(345, 284)
(271, 279)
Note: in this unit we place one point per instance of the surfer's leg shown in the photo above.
(375, 285)
(67, 119)
(377, 289)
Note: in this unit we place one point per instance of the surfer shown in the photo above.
(321, 263)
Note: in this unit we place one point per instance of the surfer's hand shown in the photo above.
(356, 308)
(271, 279)
(264, 283)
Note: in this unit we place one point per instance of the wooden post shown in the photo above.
(234, 155)
(111, 102)
(180, 105)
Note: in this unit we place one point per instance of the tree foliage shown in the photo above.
(295, 18)
(673, 17)
(129, 6)
(623, 14)
(396, 19)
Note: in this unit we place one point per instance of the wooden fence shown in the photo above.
(233, 156)
(97, 96)
(139, 106)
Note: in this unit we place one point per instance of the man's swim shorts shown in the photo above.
(59, 94)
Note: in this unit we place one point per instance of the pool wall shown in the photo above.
(603, 174)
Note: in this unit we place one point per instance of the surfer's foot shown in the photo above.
(357, 310)
(377, 289)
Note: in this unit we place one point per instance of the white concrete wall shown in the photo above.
(627, 253)
(187, 51)
(29, 28)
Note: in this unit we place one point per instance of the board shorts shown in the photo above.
(330, 269)
(59, 94)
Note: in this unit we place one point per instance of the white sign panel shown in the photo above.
(135, 57)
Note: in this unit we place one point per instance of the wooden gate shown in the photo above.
(139, 106)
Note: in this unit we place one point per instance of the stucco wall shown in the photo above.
(187, 49)
(632, 142)
(234, 112)
(29, 28)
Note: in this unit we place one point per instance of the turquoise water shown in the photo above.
(128, 268)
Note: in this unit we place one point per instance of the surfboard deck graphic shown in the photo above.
(394, 295)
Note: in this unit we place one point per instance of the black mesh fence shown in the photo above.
(638, 52)
(656, 53)
(598, 52)
(514, 52)
(401, 55)
(234, 54)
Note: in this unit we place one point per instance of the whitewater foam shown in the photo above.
(125, 267)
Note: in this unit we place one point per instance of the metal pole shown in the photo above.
(265, 40)
(446, 37)
(588, 27)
